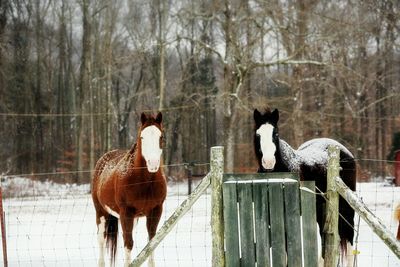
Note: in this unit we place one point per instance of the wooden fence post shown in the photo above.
(332, 210)
(217, 221)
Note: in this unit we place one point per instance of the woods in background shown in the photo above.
(75, 75)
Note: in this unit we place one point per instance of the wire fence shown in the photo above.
(53, 224)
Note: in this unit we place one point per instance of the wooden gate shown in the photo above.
(269, 219)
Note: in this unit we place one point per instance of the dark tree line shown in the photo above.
(75, 75)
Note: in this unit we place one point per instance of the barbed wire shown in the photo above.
(88, 114)
(208, 105)
(183, 164)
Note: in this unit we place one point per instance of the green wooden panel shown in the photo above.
(277, 222)
(259, 176)
(275, 192)
(292, 224)
(245, 199)
(261, 215)
(308, 210)
(231, 226)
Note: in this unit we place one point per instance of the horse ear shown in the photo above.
(257, 115)
(143, 118)
(159, 118)
(275, 115)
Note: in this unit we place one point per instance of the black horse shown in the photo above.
(310, 161)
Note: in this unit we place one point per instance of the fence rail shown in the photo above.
(335, 186)
(216, 170)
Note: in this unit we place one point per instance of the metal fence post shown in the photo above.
(217, 223)
(332, 210)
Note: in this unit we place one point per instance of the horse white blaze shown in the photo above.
(151, 150)
(267, 145)
(102, 240)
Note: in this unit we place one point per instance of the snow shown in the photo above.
(312, 152)
(57, 227)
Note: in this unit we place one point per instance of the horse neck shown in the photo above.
(134, 161)
(286, 157)
(138, 161)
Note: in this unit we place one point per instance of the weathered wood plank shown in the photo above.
(292, 224)
(275, 192)
(309, 224)
(245, 199)
(217, 220)
(231, 227)
(261, 214)
(259, 176)
(330, 228)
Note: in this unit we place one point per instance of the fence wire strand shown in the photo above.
(47, 230)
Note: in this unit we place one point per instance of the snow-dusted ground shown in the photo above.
(58, 228)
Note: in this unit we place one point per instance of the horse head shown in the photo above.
(266, 137)
(150, 141)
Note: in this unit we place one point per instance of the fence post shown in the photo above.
(332, 210)
(217, 223)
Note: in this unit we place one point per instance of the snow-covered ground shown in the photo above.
(57, 227)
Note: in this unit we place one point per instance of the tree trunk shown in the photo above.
(85, 87)
(162, 12)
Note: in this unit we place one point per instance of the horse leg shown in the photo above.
(127, 220)
(152, 221)
(101, 237)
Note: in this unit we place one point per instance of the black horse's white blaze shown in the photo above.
(267, 145)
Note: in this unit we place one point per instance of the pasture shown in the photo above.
(54, 225)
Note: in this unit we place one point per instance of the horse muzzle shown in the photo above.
(153, 165)
(268, 163)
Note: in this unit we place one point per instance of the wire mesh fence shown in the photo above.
(51, 224)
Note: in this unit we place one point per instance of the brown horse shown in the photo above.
(127, 185)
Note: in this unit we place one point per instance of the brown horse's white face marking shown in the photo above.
(267, 145)
(151, 151)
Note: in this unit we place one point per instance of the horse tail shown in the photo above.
(347, 253)
(397, 217)
(112, 236)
